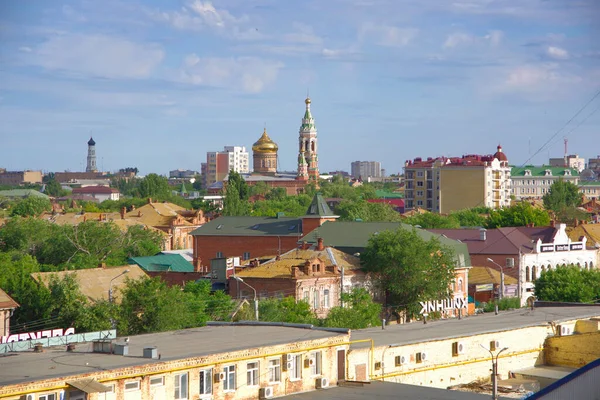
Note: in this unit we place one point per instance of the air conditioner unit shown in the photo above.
(378, 365)
(322, 383)
(564, 330)
(458, 348)
(266, 392)
(494, 345)
(510, 262)
(220, 377)
(30, 397)
(422, 356)
(400, 360)
(289, 366)
(308, 362)
(289, 357)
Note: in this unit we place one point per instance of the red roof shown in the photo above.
(6, 302)
(95, 190)
(392, 202)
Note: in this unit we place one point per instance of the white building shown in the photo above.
(532, 182)
(365, 169)
(220, 163)
(238, 159)
(560, 251)
(571, 161)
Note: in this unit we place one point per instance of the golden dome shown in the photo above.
(307, 101)
(265, 144)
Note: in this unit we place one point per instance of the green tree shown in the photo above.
(54, 189)
(520, 214)
(351, 210)
(154, 186)
(569, 284)
(236, 196)
(359, 311)
(68, 303)
(31, 206)
(562, 195)
(286, 310)
(470, 218)
(432, 221)
(408, 268)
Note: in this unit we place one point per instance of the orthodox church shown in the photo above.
(265, 160)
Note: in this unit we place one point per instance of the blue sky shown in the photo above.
(159, 83)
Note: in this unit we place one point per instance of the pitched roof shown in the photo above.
(590, 231)
(163, 262)
(385, 194)
(94, 283)
(282, 268)
(541, 170)
(156, 214)
(6, 302)
(95, 190)
(500, 241)
(23, 193)
(351, 234)
(251, 226)
(483, 275)
(319, 208)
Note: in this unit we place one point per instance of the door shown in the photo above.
(341, 365)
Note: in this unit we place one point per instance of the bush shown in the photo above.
(507, 303)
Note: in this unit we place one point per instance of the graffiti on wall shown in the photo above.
(18, 337)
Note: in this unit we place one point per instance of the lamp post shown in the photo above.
(237, 278)
(501, 277)
(110, 295)
(494, 371)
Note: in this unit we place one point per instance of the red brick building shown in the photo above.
(253, 237)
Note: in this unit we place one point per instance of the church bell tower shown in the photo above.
(308, 162)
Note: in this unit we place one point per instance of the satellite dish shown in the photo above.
(192, 180)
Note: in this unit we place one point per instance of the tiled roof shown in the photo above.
(484, 275)
(156, 214)
(163, 262)
(541, 171)
(590, 231)
(282, 268)
(6, 302)
(319, 208)
(355, 235)
(95, 190)
(251, 226)
(94, 283)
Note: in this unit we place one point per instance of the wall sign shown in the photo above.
(456, 303)
(577, 246)
(18, 337)
(548, 248)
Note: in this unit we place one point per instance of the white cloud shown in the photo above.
(386, 35)
(250, 74)
(539, 78)
(495, 37)
(97, 55)
(557, 53)
(457, 39)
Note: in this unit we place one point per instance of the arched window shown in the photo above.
(543, 269)
(591, 265)
(312, 146)
(306, 146)
(533, 273)
(527, 279)
(460, 285)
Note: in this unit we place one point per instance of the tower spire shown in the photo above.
(308, 168)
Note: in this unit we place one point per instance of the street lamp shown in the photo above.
(494, 371)
(237, 278)
(501, 277)
(110, 292)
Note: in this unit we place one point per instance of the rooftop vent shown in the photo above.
(150, 352)
(121, 349)
(102, 346)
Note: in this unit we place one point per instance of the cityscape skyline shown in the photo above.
(158, 85)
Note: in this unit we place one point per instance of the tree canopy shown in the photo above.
(31, 206)
(570, 284)
(561, 195)
(408, 268)
(519, 214)
(236, 195)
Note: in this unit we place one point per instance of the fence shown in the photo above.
(57, 341)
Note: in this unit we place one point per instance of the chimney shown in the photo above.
(197, 264)
(123, 211)
(84, 218)
(553, 223)
(132, 207)
(482, 234)
(320, 246)
(277, 258)
(102, 265)
(149, 200)
(139, 213)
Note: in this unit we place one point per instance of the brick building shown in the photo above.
(15, 178)
(252, 237)
(314, 274)
(7, 306)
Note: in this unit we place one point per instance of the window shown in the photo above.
(246, 255)
(419, 193)
(229, 382)
(252, 373)
(181, 386)
(275, 370)
(419, 183)
(306, 296)
(326, 298)
(47, 396)
(129, 386)
(419, 202)
(316, 302)
(296, 369)
(420, 174)
(206, 381)
(315, 368)
(219, 254)
(157, 381)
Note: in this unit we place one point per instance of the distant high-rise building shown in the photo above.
(91, 156)
(365, 169)
(219, 163)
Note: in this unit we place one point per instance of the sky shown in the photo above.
(159, 83)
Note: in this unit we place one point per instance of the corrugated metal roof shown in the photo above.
(251, 226)
(483, 275)
(163, 262)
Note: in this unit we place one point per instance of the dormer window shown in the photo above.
(527, 172)
(567, 172)
(547, 173)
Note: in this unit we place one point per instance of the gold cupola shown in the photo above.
(265, 144)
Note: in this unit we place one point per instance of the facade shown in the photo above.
(450, 184)
(100, 193)
(236, 362)
(532, 182)
(314, 274)
(366, 169)
(264, 155)
(183, 174)
(71, 177)
(7, 306)
(308, 161)
(571, 161)
(15, 178)
(591, 190)
(91, 156)
(219, 163)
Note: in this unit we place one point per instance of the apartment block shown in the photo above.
(531, 182)
(449, 184)
(19, 177)
(366, 169)
(219, 163)
(570, 161)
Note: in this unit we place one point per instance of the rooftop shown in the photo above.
(474, 325)
(163, 262)
(6, 302)
(541, 171)
(483, 275)
(95, 190)
(173, 345)
(22, 193)
(251, 226)
(319, 208)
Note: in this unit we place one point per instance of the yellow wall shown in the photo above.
(462, 187)
(573, 351)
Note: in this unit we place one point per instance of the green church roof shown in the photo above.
(319, 208)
